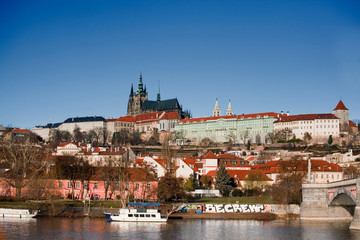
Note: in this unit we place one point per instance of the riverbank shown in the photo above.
(77, 209)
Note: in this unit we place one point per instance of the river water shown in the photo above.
(85, 228)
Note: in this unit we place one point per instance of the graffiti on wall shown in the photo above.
(233, 208)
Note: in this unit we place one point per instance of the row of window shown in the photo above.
(96, 185)
(141, 215)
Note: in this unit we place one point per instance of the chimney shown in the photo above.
(288, 114)
(282, 113)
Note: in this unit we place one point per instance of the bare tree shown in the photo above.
(168, 154)
(78, 135)
(24, 162)
(147, 177)
(244, 136)
(75, 169)
(258, 139)
(108, 176)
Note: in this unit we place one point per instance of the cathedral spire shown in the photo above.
(132, 90)
(216, 110)
(158, 94)
(140, 86)
(229, 111)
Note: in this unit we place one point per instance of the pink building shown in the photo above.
(139, 186)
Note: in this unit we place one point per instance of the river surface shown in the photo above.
(85, 228)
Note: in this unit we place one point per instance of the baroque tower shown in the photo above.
(136, 99)
(216, 110)
(229, 111)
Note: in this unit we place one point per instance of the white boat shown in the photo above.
(138, 214)
(16, 213)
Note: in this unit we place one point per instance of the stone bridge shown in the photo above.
(336, 200)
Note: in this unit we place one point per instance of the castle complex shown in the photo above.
(139, 103)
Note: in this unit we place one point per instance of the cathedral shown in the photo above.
(139, 103)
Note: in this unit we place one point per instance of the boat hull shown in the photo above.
(16, 213)
(133, 215)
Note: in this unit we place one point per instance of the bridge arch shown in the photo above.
(342, 196)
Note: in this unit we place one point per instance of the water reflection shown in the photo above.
(67, 228)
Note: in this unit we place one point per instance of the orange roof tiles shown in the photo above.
(340, 106)
(352, 124)
(209, 155)
(245, 116)
(22, 130)
(285, 118)
(300, 165)
(241, 174)
(191, 162)
(171, 115)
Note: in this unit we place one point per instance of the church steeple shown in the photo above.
(140, 86)
(229, 111)
(216, 110)
(132, 90)
(158, 94)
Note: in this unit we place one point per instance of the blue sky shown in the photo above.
(60, 59)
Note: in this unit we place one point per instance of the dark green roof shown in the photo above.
(161, 105)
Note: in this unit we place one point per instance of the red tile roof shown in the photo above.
(191, 162)
(285, 118)
(199, 164)
(22, 130)
(245, 116)
(241, 174)
(160, 161)
(170, 115)
(209, 155)
(300, 165)
(148, 116)
(340, 106)
(352, 124)
(211, 173)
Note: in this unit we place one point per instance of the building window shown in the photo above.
(77, 185)
(86, 185)
(60, 184)
(148, 186)
(96, 185)
(137, 186)
(69, 185)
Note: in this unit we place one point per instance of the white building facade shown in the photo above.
(317, 125)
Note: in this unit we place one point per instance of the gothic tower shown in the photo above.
(216, 110)
(137, 99)
(341, 112)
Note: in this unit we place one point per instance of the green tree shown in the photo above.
(330, 140)
(223, 181)
(189, 184)
(248, 145)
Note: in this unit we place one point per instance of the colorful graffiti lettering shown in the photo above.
(233, 208)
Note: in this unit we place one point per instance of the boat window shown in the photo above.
(147, 215)
(136, 215)
(130, 215)
(142, 215)
(153, 215)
